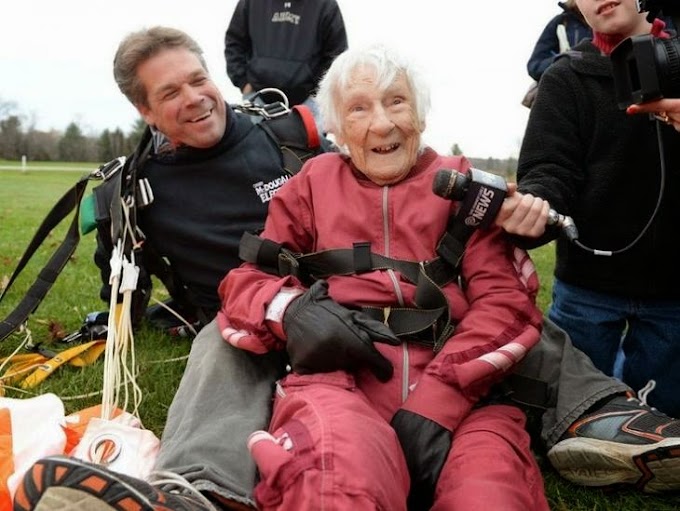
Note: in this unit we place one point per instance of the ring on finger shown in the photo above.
(663, 117)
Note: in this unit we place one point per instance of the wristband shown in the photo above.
(277, 308)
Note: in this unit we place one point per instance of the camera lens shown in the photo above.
(668, 66)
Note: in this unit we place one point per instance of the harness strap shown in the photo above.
(451, 246)
(313, 138)
(78, 356)
(430, 322)
(127, 190)
(416, 324)
(296, 134)
(343, 261)
(47, 276)
(528, 391)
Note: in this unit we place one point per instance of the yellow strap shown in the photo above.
(90, 355)
(19, 368)
(49, 366)
(21, 357)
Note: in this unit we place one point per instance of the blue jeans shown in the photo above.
(647, 330)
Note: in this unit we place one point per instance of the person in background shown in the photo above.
(562, 32)
(287, 45)
(582, 156)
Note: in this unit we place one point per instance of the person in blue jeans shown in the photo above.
(619, 283)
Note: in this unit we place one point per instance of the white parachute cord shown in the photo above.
(189, 326)
(127, 344)
(9, 359)
(128, 226)
(120, 373)
(109, 387)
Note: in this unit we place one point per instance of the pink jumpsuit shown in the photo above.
(330, 444)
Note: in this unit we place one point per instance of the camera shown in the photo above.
(645, 67)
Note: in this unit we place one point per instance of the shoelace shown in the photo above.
(645, 391)
(163, 478)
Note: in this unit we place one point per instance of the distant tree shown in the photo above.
(105, 146)
(7, 108)
(11, 138)
(110, 145)
(43, 145)
(72, 146)
(511, 169)
(136, 134)
(456, 150)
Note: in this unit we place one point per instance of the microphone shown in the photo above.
(481, 195)
(566, 223)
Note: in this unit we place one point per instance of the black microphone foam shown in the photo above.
(450, 184)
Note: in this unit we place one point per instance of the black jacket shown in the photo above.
(592, 161)
(204, 199)
(284, 44)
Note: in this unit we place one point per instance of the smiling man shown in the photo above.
(212, 172)
(181, 100)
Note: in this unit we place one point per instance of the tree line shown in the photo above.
(19, 138)
(503, 167)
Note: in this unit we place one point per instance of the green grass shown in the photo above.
(25, 199)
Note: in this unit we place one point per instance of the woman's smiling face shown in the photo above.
(379, 126)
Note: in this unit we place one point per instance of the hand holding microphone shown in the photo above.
(526, 215)
(486, 197)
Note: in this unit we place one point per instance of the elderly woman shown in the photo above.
(358, 425)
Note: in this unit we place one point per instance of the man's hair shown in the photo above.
(387, 63)
(140, 46)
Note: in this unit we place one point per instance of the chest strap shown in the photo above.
(429, 323)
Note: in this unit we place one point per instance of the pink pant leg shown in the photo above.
(328, 450)
(490, 466)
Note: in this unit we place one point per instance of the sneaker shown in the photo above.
(59, 483)
(623, 442)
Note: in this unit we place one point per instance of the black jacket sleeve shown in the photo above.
(237, 45)
(550, 163)
(335, 38)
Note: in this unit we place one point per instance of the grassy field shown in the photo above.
(25, 199)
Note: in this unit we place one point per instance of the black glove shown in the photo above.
(324, 336)
(426, 446)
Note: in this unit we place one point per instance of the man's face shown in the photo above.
(379, 126)
(614, 17)
(183, 102)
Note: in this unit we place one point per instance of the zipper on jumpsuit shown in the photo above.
(397, 290)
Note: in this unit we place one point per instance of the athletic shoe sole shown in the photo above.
(651, 468)
(60, 498)
(72, 486)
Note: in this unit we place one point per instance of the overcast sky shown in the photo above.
(55, 58)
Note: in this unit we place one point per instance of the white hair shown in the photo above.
(388, 64)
